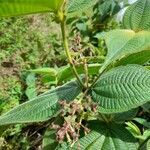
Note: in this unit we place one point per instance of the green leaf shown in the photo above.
(146, 135)
(49, 140)
(49, 75)
(146, 145)
(50, 71)
(137, 16)
(146, 107)
(65, 73)
(137, 58)
(122, 89)
(118, 117)
(143, 122)
(63, 146)
(79, 5)
(31, 86)
(128, 115)
(122, 43)
(23, 7)
(42, 107)
(107, 137)
(133, 129)
(109, 7)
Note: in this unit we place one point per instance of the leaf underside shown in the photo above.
(42, 107)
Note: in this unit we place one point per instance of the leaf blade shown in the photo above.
(79, 5)
(123, 43)
(10, 8)
(114, 137)
(137, 16)
(122, 89)
(49, 141)
(65, 73)
(42, 107)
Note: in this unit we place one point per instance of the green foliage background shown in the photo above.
(25, 43)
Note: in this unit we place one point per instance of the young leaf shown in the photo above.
(122, 43)
(122, 89)
(42, 107)
(107, 137)
(10, 8)
(137, 16)
(133, 129)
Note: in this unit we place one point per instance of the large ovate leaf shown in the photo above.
(107, 137)
(42, 107)
(122, 89)
(23, 7)
(79, 5)
(122, 43)
(137, 16)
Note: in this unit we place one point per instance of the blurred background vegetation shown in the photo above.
(25, 43)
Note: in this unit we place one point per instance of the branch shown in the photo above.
(66, 47)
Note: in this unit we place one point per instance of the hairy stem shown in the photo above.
(66, 47)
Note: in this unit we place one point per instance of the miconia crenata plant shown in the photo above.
(89, 112)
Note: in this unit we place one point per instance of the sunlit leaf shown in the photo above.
(122, 89)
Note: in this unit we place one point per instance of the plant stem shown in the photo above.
(86, 73)
(66, 47)
(100, 73)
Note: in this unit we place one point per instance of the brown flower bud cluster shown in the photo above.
(73, 114)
